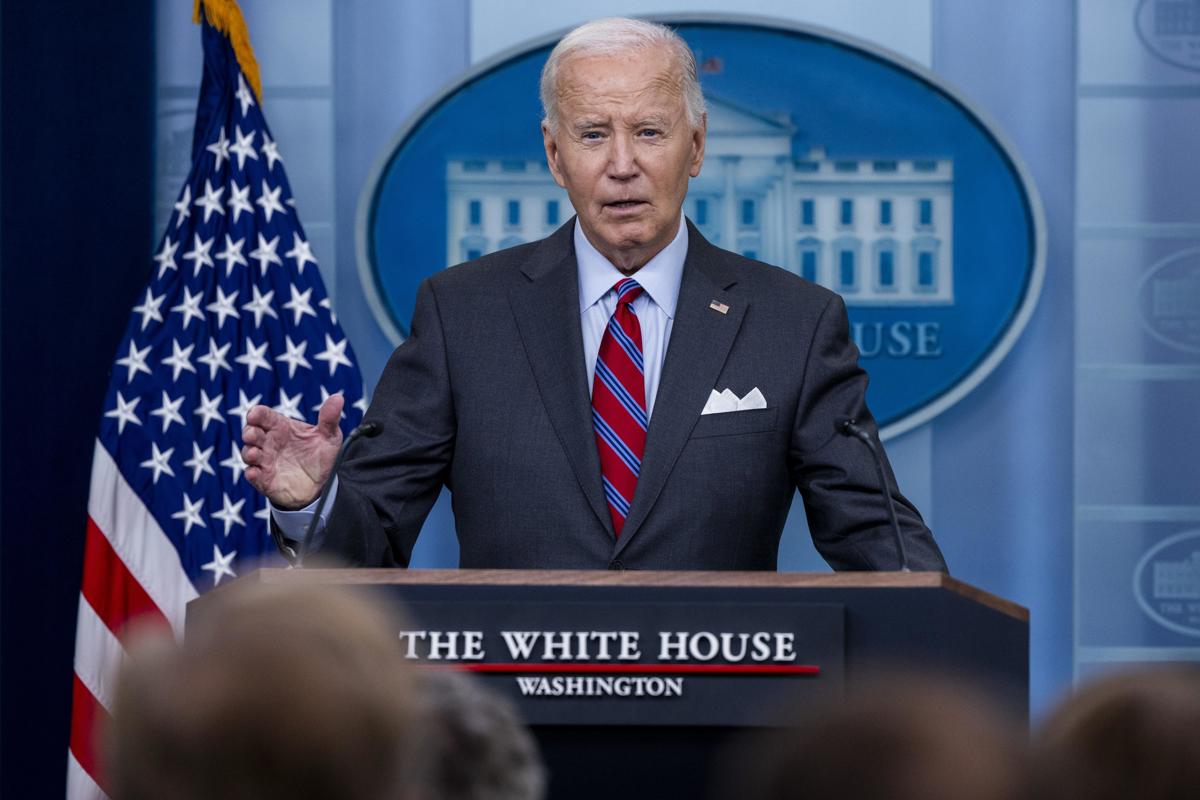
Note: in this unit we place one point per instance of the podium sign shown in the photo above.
(606, 660)
(586, 660)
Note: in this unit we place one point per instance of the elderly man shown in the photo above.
(572, 392)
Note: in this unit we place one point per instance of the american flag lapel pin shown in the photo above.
(719, 307)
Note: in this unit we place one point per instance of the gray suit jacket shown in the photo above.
(489, 397)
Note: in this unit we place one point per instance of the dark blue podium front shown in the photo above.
(654, 671)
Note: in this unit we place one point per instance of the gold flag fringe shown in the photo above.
(226, 16)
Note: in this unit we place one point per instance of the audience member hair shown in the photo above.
(1135, 734)
(277, 692)
(474, 745)
(907, 738)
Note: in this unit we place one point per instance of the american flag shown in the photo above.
(235, 314)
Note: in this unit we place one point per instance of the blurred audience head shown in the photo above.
(1132, 734)
(906, 738)
(474, 745)
(277, 692)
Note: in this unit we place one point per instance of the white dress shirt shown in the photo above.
(655, 307)
(655, 310)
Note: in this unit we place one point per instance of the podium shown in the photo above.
(632, 681)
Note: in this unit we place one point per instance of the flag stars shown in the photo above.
(210, 201)
(235, 463)
(199, 255)
(224, 307)
(123, 413)
(294, 357)
(334, 354)
(166, 257)
(290, 406)
(299, 305)
(301, 251)
(200, 463)
(270, 151)
(241, 410)
(230, 513)
(361, 403)
(254, 359)
(243, 94)
(214, 359)
(243, 148)
(239, 200)
(183, 206)
(169, 411)
(135, 362)
(159, 462)
(269, 200)
(149, 309)
(220, 149)
(261, 305)
(327, 304)
(190, 514)
(190, 307)
(207, 410)
(180, 359)
(220, 565)
(232, 254)
(265, 253)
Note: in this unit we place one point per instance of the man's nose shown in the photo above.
(622, 160)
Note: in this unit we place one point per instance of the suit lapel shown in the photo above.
(700, 341)
(547, 315)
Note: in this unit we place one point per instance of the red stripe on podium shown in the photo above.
(640, 669)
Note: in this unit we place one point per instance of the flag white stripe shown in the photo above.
(138, 540)
(98, 654)
(80, 785)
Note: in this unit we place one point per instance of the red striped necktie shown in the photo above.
(619, 403)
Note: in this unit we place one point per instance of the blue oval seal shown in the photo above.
(1169, 300)
(1166, 583)
(827, 156)
(1171, 30)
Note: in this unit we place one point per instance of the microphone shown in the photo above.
(365, 430)
(848, 426)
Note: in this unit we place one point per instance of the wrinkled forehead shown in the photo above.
(641, 80)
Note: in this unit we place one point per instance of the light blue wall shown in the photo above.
(998, 473)
(1002, 462)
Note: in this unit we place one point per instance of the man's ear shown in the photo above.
(551, 144)
(699, 136)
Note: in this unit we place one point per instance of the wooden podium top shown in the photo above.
(730, 579)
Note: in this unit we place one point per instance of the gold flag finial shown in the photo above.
(226, 16)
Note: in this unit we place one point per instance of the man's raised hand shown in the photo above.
(287, 460)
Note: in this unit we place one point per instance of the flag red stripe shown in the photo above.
(110, 587)
(87, 719)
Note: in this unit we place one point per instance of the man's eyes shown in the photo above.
(642, 133)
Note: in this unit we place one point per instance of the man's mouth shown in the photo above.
(621, 205)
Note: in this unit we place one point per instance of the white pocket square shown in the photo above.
(725, 401)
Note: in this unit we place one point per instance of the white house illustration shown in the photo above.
(1177, 580)
(876, 230)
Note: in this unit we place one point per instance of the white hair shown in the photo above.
(617, 36)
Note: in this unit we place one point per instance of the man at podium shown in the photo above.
(621, 394)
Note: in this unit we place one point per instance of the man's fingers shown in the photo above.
(330, 415)
(263, 417)
(252, 454)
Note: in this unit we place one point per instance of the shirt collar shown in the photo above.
(659, 278)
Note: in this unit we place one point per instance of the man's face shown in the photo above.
(624, 151)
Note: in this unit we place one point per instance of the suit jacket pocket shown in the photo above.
(732, 423)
